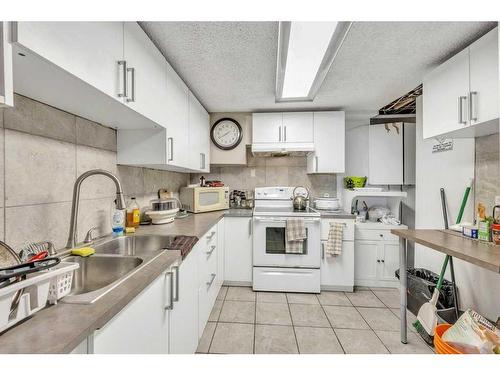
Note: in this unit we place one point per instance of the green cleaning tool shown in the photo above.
(427, 315)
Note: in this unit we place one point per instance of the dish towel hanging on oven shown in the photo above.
(334, 243)
(295, 236)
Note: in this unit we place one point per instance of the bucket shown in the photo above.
(441, 346)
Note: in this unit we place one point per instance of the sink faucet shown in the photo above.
(120, 202)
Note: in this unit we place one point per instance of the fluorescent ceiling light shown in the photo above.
(306, 51)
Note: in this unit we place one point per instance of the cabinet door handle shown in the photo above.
(284, 133)
(316, 161)
(382, 260)
(472, 105)
(210, 236)
(279, 133)
(378, 260)
(171, 149)
(132, 85)
(461, 110)
(250, 227)
(212, 248)
(122, 64)
(176, 295)
(170, 299)
(212, 278)
(323, 250)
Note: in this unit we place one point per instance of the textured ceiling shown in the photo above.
(230, 66)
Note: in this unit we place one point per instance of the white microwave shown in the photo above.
(204, 199)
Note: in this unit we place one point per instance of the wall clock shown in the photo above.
(226, 133)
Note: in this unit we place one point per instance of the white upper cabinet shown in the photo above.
(146, 74)
(297, 127)
(484, 78)
(177, 108)
(88, 50)
(282, 127)
(445, 93)
(199, 136)
(6, 75)
(460, 97)
(391, 154)
(267, 127)
(329, 143)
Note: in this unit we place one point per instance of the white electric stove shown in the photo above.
(273, 268)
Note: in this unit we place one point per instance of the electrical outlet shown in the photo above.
(497, 200)
(252, 173)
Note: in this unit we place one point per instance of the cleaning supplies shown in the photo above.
(427, 315)
(117, 220)
(83, 251)
(133, 213)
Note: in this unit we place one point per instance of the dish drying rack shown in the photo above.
(40, 288)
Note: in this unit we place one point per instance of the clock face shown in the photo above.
(226, 134)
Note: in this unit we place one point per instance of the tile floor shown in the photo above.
(366, 321)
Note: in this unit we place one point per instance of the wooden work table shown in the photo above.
(481, 254)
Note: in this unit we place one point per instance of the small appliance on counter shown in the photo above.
(198, 199)
(163, 211)
(241, 199)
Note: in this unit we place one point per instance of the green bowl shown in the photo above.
(354, 182)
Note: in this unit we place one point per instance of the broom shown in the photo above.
(427, 315)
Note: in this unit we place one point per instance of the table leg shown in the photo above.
(402, 287)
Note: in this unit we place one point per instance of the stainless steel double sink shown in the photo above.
(115, 260)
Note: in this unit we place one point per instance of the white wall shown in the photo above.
(450, 170)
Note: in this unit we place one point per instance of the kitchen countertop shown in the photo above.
(482, 254)
(60, 328)
(336, 215)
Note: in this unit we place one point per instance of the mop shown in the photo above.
(427, 315)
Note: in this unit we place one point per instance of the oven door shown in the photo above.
(269, 244)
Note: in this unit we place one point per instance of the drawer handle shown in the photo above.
(170, 299)
(381, 235)
(212, 278)
(382, 260)
(378, 260)
(212, 248)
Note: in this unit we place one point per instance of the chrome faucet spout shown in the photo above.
(120, 201)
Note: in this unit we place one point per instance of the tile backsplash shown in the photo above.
(43, 150)
(271, 171)
(487, 170)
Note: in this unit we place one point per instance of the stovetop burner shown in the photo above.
(284, 211)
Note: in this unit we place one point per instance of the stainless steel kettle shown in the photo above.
(299, 200)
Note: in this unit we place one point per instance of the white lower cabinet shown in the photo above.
(209, 279)
(376, 260)
(183, 330)
(238, 250)
(169, 316)
(141, 327)
(337, 272)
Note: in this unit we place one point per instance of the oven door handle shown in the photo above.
(278, 220)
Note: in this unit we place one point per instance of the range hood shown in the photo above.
(282, 149)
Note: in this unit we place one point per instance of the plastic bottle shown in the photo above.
(133, 214)
(117, 220)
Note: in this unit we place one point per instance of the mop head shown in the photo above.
(429, 339)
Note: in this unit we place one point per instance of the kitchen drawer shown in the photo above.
(348, 229)
(209, 238)
(273, 279)
(207, 294)
(207, 260)
(375, 235)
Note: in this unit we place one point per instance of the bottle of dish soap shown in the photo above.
(117, 220)
(133, 214)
